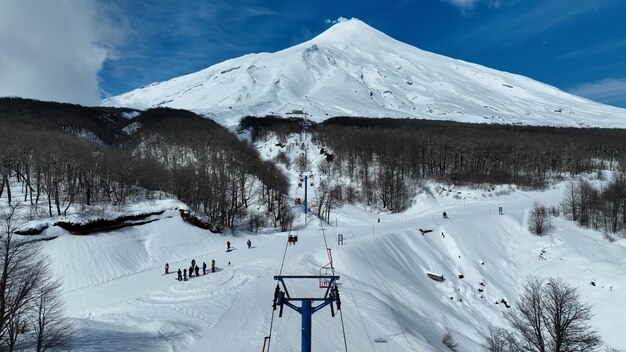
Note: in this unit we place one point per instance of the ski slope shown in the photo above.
(352, 69)
(115, 287)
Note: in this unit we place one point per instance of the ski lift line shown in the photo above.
(269, 337)
(343, 329)
(330, 259)
(325, 242)
(283, 262)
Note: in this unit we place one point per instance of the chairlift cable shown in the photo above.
(283, 263)
(343, 329)
(269, 337)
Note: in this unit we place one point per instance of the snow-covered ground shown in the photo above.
(353, 69)
(115, 287)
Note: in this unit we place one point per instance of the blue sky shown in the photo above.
(576, 45)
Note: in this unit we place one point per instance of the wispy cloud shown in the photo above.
(469, 5)
(597, 49)
(55, 50)
(513, 28)
(605, 67)
(610, 90)
(171, 38)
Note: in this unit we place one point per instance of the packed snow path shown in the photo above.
(116, 289)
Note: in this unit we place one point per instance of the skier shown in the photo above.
(185, 274)
(180, 275)
(203, 268)
(445, 216)
(167, 268)
(190, 271)
(197, 271)
(249, 243)
(213, 265)
(227, 246)
(193, 263)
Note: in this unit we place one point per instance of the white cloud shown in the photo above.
(338, 20)
(608, 90)
(466, 5)
(53, 50)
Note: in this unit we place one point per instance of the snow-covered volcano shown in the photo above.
(354, 69)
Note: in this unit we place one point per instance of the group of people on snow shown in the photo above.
(229, 246)
(194, 270)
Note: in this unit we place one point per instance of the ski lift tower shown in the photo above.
(282, 297)
(305, 127)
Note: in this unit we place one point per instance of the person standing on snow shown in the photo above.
(190, 271)
(249, 243)
(167, 268)
(227, 245)
(197, 271)
(213, 265)
(185, 274)
(180, 275)
(203, 268)
(193, 263)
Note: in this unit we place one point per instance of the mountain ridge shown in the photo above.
(352, 69)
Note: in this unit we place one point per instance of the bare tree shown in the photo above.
(449, 341)
(539, 220)
(499, 340)
(15, 287)
(548, 318)
(29, 296)
(51, 330)
(567, 319)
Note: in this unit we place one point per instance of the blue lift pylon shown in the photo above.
(307, 308)
(306, 181)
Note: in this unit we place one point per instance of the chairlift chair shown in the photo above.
(327, 270)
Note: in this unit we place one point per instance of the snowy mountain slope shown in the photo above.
(116, 290)
(354, 69)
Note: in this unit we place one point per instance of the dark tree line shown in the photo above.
(386, 158)
(172, 151)
(209, 168)
(103, 123)
(61, 170)
(261, 128)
